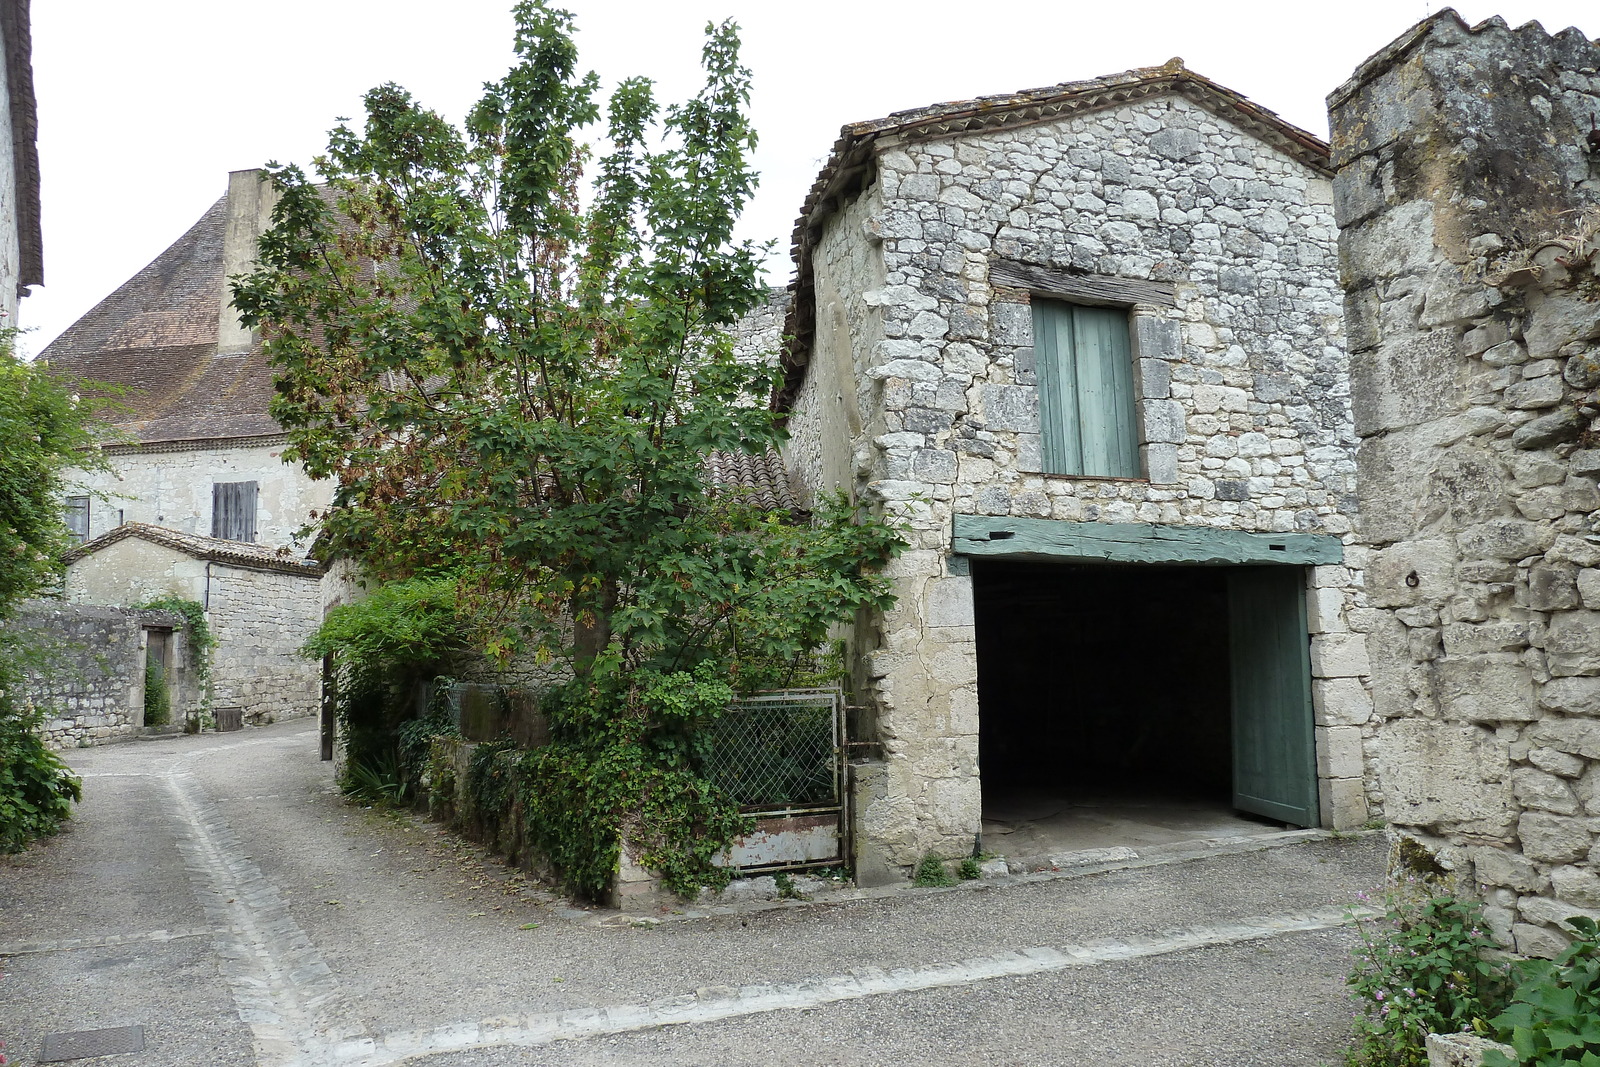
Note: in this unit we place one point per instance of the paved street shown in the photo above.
(216, 891)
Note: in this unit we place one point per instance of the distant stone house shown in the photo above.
(199, 502)
(1087, 341)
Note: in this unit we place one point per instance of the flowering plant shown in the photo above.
(1422, 968)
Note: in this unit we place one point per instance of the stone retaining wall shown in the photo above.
(86, 669)
(1461, 154)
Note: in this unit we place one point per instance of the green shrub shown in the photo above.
(37, 789)
(1422, 968)
(1554, 1017)
(157, 697)
(969, 869)
(932, 872)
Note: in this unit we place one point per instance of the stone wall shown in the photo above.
(1475, 342)
(85, 667)
(1243, 405)
(260, 620)
(170, 485)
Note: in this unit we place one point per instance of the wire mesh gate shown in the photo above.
(781, 756)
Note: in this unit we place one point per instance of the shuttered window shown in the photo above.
(77, 514)
(233, 511)
(1085, 372)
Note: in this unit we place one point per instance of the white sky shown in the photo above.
(144, 108)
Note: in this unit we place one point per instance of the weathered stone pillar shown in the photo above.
(1466, 191)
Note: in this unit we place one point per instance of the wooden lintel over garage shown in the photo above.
(1101, 542)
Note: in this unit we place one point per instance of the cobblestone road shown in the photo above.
(217, 892)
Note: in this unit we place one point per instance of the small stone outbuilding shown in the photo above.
(1087, 341)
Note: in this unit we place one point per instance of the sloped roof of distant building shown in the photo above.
(234, 553)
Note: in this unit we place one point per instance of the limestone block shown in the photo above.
(1534, 394)
(1161, 465)
(1537, 942)
(1508, 539)
(1579, 885)
(1552, 586)
(1494, 687)
(1164, 422)
(1338, 656)
(1578, 737)
(1390, 662)
(1575, 696)
(1325, 611)
(1503, 867)
(1550, 838)
(1585, 461)
(1441, 773)
(1543, 792)
(1559, 319)
(1551, 912)
(1389, 576)
(1573, 643)
(1588, 790)
(1466, 639)
(1406, 382)
(1560, 764)
(1343, 803)
(1011, 407)
(1340, 702)
(1588, 583)
(1155, 379)
(1339, 752)
(1564, 424)
(1463, 1050)
(1505, 354)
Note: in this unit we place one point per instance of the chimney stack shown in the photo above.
(250, 201)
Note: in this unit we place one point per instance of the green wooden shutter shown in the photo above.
(1107, 435)
(1084, 368)
(1274, 747)
(1056, 373)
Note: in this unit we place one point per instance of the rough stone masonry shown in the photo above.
(1466, 191)
(918, 387)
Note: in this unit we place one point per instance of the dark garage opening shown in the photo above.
(1104, 705)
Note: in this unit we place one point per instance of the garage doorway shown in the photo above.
(1140, 704)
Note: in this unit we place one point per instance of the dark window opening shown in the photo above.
(233, 511)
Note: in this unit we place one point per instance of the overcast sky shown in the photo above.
(144, 108)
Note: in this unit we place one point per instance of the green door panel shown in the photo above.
(1274, 749)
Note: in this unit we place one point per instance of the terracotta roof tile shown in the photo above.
(157, 337)
(763, 475)
(238, 553)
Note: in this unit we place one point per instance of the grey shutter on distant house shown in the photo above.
(78, 518)
(233, 511)
(1084, 368)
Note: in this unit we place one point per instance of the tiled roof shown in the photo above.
(157, 337)
(850, 166)
(237, 553)
(763, 475)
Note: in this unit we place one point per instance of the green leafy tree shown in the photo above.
(45, 432)
(517, 387)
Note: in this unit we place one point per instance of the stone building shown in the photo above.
(1087, 340)
(21, 246)
(1468, 192)
(199, 502)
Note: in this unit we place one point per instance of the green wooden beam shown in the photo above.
(1106, 542)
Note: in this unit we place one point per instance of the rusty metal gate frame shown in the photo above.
(837, 805)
